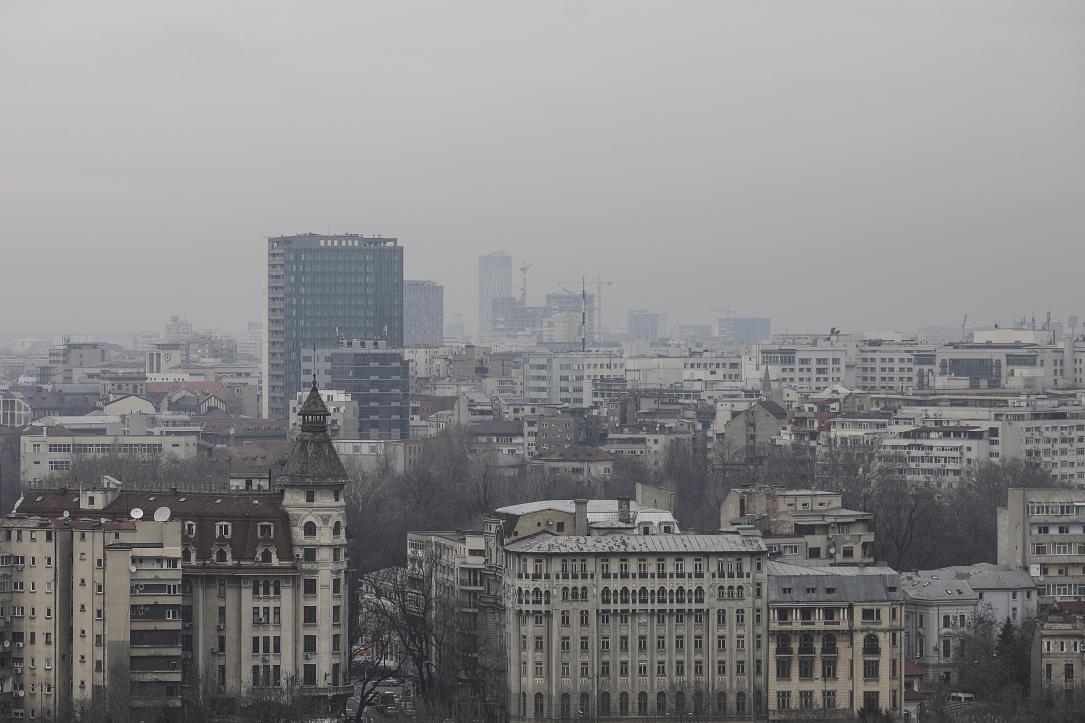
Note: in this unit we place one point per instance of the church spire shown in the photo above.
(313, 458)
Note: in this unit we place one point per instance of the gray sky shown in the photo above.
(858, 163)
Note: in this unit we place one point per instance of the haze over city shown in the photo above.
(867, 166)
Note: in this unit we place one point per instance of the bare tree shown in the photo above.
(279, 704)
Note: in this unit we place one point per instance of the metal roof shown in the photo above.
(926, 588)
(843, 584)
(982, 576)
(546, 542)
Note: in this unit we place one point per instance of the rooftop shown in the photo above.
(546, 542)
(925, 588)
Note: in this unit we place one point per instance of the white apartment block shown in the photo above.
(1042, 531)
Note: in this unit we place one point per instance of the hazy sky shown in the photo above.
(857, 163)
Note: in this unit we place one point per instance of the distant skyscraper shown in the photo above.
(321, 289)
(743, 330)
(494, 282)
(423, 313)
(646, 325)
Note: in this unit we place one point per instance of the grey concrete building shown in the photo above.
(377, 378)
(321, 289)
(423, 313)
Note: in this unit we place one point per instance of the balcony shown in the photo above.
(806, 649)
(784, 650)
(828, 650)
(872, 650)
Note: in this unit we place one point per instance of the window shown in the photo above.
(309, 530)
(309, 586)
(310, 615)
(310, 495)
(222, 529)
(870, 669)
(265, 529)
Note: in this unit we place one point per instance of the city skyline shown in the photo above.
(888, 175)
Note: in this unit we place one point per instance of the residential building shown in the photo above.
(938, 457)
(263, 596)
(835, 639)
(322, 288)
(806, 368)
(750, 432)
(494, 282)
(937, 616)
(1058, 668)
(423, 313)
(585, 517)
(72, 362)
(51, 444)
(632, 626)
(86, 602)
(573, 462)
(343, 422)
(1042, 531)
(376, 455)
(798, 524)
(572, 307)
(374, 376)
(1004, 594)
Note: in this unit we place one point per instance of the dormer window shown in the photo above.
(222, 529)
(265, 529)
(190, 529)
(265, 556)
(221, 554)
(186, 554)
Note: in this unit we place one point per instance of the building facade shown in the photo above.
(374, 376)
(494, 282)
(1042, 531)
(321, 289)
(423, 313)
(634, 626)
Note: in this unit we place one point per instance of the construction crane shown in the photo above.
(523, 282)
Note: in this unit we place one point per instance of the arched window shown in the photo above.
(740, 591)
(576, 593)
(783, 644)
(642, 704)
(871, 646)
(661, 703)
(606, 596)
(644, 596)
(255, 587)
(546, 597)
(220, 554)
(624, 595)
(265, 556)
(536, 596)
(721, 592)
(276, 587)
(604, 704)
(698, 595)
(186, 555)
(539, 707)
(584, 703)
(623, 704)
(681, 596)
(267, 587)
(721, 703)
(670, 596)
(662, 595)
(309, 530)
(564, 593)
(721, 616)
(584, 593)
(565, 706)
(337, 528)
(730, 591)
(740, 703)
(520, 596)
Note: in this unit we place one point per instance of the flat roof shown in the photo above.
(546, 542)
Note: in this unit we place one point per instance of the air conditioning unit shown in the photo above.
(18, 567)
(308, 656)
(20, 693)
(18, 670)
(18, 645)
(264, 659)
(220, 626)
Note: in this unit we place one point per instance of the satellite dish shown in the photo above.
(132, 568)
(136, 513)
(7, 643)
(67, 514)
(162, 514)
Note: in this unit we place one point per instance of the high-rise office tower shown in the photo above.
(322, 289)
(423, 313)
(743, 330)
(494, 282)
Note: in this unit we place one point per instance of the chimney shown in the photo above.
(624, 515)
(580, 517)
